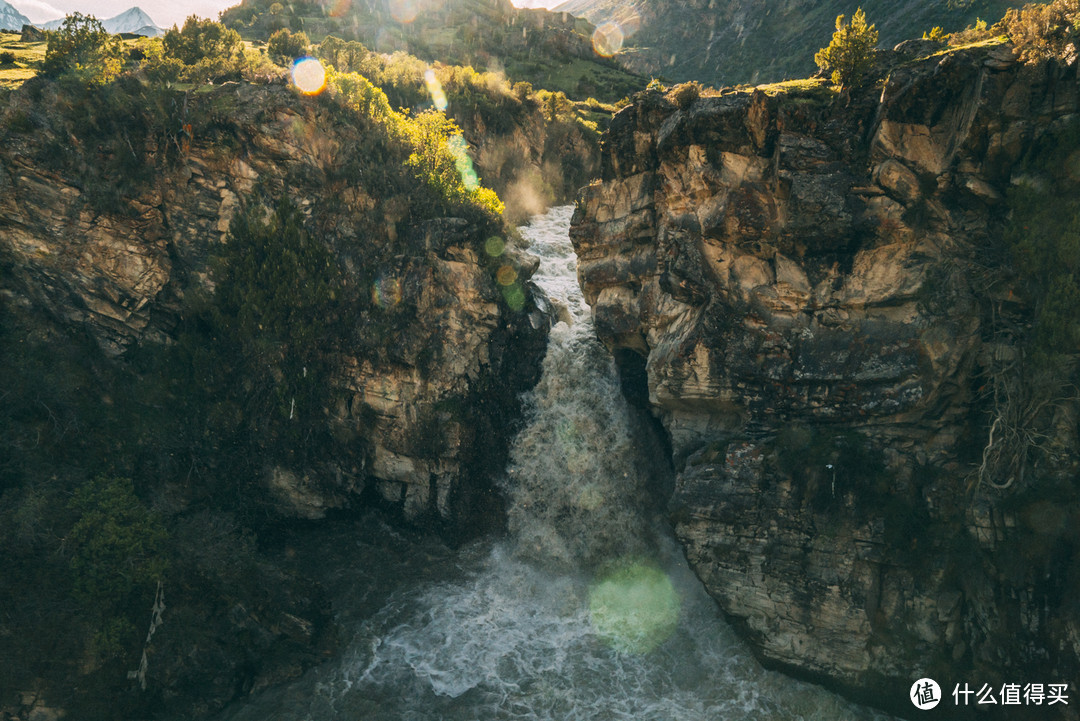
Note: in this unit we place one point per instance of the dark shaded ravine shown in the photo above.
(584, 610)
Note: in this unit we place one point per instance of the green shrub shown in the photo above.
(284, 46)
(556, 106)
(275, 303)
(434, 143)
(850, 55)
(116, 545)
(686, 93)
(7, 58)
(1043, 30)
(972, 34)
(82, 47)
(202, 40)
(522, 90)
(346, 56)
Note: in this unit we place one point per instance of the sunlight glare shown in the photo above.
(634, 608)
(404, 11)
(514, 295)
(309, 76)
(387, 292)
(435, 90)
(338, 8)
(607, 39)
(459, 149)
(507, 275)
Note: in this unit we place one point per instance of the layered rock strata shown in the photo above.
(801, 284)
(424, 407)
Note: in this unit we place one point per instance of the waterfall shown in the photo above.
(586, 610)
(577, 481)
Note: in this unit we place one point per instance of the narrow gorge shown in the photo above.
(584, 609)
(297, 422)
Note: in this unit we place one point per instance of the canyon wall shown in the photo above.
(815, 292)
(225, 312)
(437, 340)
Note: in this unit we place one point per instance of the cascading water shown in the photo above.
(586, 610)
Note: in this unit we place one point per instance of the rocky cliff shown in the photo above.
(121, 275)
(816, 294)
(248, 303)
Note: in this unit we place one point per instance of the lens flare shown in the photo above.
(506, 275)
(338, 8)
(459, 149)
(309, 76)
(608, 39)
(514, 295)
(591, 497)
(634, 608)
(435, 89)
(404, 11)
(387, 292)
(629, 23)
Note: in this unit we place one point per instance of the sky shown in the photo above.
(165, 13)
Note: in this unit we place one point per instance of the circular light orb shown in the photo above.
(634, 608)
(338, 8)
(506, 275)
(514, 295)
(607, 39)
(309, 76)
(494, 246)
(387, 292)
(591, 497)
(404, 11)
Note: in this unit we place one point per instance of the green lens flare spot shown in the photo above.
(515, 296)
(494, 246)
(634, 608)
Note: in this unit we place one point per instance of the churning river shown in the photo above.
(584, 610)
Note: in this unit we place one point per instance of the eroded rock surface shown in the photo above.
(796, 281)
(424, 387)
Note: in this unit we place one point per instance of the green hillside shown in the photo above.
(549, 50)
(757, 41)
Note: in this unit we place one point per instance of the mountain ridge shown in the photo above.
(11, 18)
(134, 20)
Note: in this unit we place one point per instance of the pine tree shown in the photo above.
(850, 55)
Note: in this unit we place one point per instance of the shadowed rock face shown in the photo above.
(423, 411)
(802, 280)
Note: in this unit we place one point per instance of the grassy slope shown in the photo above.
(28, 57)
